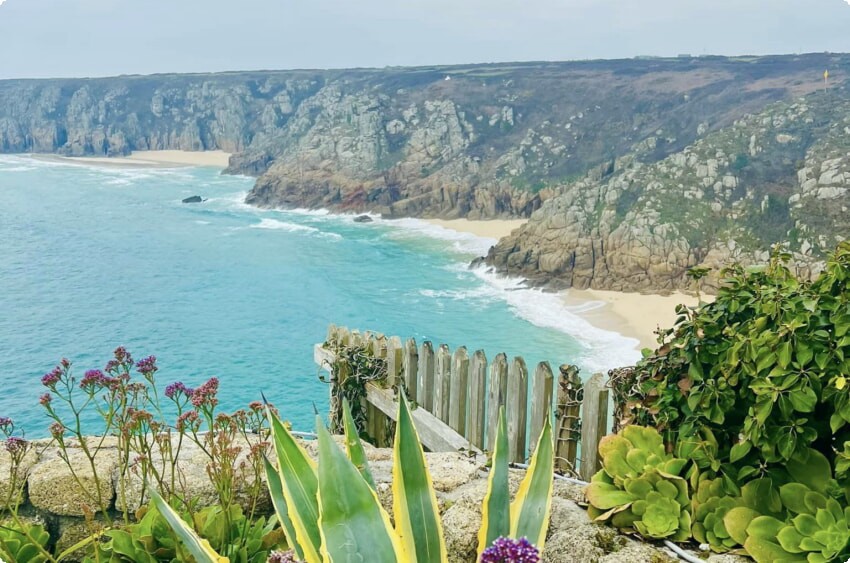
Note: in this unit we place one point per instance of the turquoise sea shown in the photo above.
(95, 257)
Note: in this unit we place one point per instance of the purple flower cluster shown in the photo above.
(16, 446)
(57, 430)
(189, 420)
(54, 376)
(93, 379)
(6, 424)
(147, 366)
(282, 557)
(176, 389)
(507, 550)
(205, 394)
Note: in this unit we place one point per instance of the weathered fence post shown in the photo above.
(497, 396)
(476, 397)
(394, 361)
(541, 401)
(459, 382)
(517, 410)
(567, 425)
(594, 423)
(425, 393)
(442, 383)
(411, 369)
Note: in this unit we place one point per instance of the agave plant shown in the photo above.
(329, 511)
(640, 487)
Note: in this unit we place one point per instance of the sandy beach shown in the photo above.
(635, 315)
(149, 159)
(495, 228)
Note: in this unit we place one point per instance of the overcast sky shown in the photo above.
(48, 38)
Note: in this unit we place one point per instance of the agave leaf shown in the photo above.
(417, 516)
(496, 512)
(354, 446)
(353, 525)
(533, 502)
(300, 486)
(276, 492)
(194, 544)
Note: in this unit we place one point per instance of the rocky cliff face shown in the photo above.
(781, 175)
(477, 141)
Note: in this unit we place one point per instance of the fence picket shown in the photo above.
(517, 410)
(497, 396)
(426, 376)
(541, 400)
(476, 397)
(594, 422)
(411, 370)
(442, 383)
(459, 382)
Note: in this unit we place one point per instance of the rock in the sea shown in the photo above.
(363, 219)
(194, 199)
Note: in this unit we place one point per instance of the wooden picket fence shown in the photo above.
(458, 398)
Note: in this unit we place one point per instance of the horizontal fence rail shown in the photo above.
(458, 397)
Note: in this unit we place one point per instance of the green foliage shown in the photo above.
(152, 540)
(752, 390)
(640, 487)
(351, 522)
(754, 366)
(23, 543)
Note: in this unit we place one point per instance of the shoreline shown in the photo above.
(634, 315)
(486, 228)
(146, 159)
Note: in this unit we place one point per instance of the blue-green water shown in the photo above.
(95, 257)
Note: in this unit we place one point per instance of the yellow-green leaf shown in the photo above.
(299, 486)
(496, 512)
(353, 525)
(417, 516)
(530, 510)
(279, 502)
(354, 446)
(194, 544)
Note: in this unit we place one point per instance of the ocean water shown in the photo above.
(95, 257)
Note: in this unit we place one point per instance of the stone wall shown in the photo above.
(56, 498)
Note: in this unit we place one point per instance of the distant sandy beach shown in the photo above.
(149, 159)
(635, 315)
(495, 228)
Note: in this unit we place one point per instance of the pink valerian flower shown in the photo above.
(282, 557)
(204, 396)
(45, 400)
(177, 389)
(16, 446)
(57, 430)
(92, 379)
(147, 366)
(189, 420)
(507, 550)
(54, 376)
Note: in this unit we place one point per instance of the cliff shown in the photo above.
(477, 141)
(780, 175)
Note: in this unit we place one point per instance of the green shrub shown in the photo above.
(754, 367)
(753, 391)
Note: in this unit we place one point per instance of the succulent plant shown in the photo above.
(639, 487)
(330, 512)
(714, 498)
(23, 543)
(820, 529)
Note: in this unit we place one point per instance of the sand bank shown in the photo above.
(150, 159)
(495, 228)
(635, 315)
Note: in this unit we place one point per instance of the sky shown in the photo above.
(53, 38)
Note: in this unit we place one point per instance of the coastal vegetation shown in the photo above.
(736, 427)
